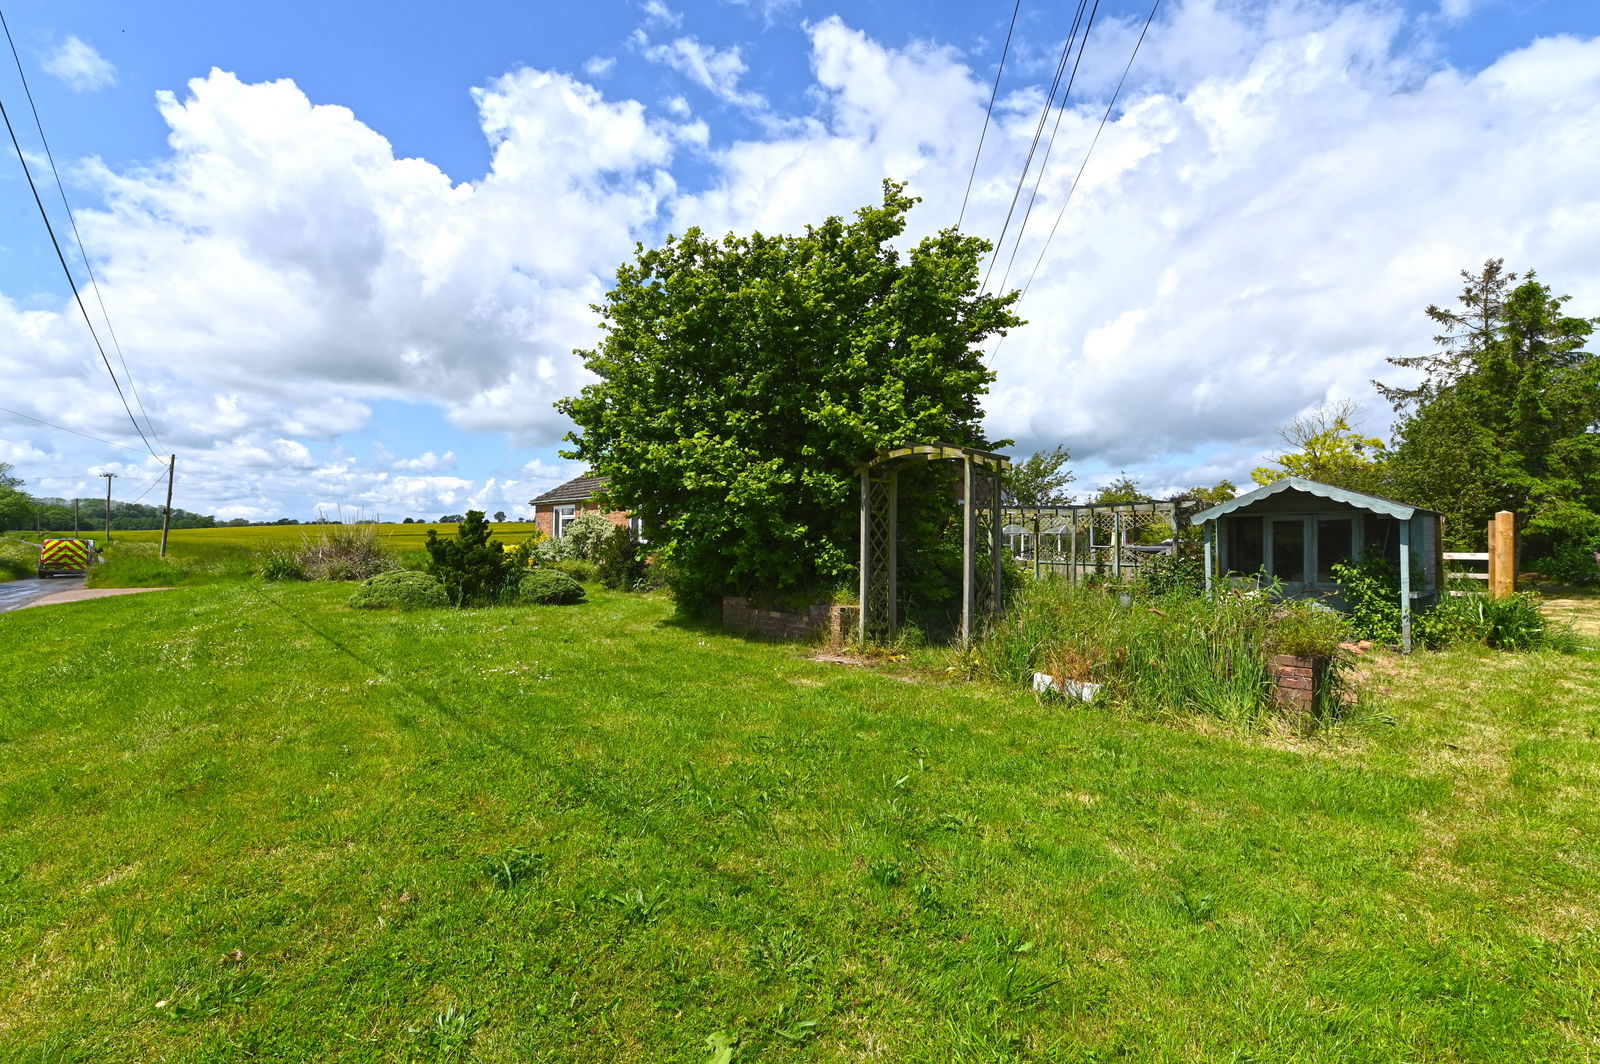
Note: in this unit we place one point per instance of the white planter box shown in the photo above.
(1077, 690)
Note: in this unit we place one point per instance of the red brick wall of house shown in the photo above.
(544, 515)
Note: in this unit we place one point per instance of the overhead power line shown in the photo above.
(1033, 147)
(1084, 164)
(83, 250)
(987, 114)
(1049, 148)
(71, 282)
(1090, 151)
(63, 428)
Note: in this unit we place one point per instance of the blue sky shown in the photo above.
(348, 255)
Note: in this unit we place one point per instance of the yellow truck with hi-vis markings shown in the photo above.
(66, 557)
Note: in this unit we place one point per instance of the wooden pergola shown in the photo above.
(880, 532)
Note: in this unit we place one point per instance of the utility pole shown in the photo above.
(109, 477)
(166, 515)
(74, 518)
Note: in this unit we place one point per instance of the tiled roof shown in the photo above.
(578, 489)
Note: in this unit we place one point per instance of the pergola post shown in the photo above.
(996, 535)
(894, 552)
(1038, 544)
(1116, 545)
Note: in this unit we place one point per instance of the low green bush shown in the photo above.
(1572, 563)
(1371, 590)
(545, 587)
(399, 589)
(1515, 622)
(579, 570)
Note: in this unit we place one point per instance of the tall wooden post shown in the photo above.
(1503, 554)
(166, 514)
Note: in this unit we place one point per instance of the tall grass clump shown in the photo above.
(343, 552)
(1175, 653)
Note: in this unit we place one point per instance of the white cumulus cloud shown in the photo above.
(80, 66)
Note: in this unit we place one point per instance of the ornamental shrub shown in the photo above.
(474, 569)
(621, 564)
(584, 536)
(399, 589)
(546, 587)
(579, 570)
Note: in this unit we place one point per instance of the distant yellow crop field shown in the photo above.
(181, 541)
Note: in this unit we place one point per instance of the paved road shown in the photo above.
(21, 592)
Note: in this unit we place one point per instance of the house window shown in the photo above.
(564, 516)
(636, 527)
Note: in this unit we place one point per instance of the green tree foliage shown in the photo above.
(742, 380)
(474, 569)
(16, 509)
(1038, 480)
(1325, 446)
(1220, 492)
(1124, 489)
(1507, 415)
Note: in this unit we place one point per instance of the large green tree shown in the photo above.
(742, 379)
(1326, 446)
(1040, 479)
(1506, 415)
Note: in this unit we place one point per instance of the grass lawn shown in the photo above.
(244, 823)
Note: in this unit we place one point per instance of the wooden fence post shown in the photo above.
(1502, 554)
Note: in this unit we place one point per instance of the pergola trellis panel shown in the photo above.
(980, 522)
(1104, 538)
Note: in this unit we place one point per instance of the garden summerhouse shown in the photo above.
(1295, 531)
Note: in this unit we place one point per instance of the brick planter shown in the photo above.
(834, 623)
(1296, 683)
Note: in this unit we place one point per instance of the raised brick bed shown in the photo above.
(835, 623)
(1296, 683)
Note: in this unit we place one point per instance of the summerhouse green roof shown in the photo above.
(1373, 503)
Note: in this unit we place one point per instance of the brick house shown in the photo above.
(556, 508)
